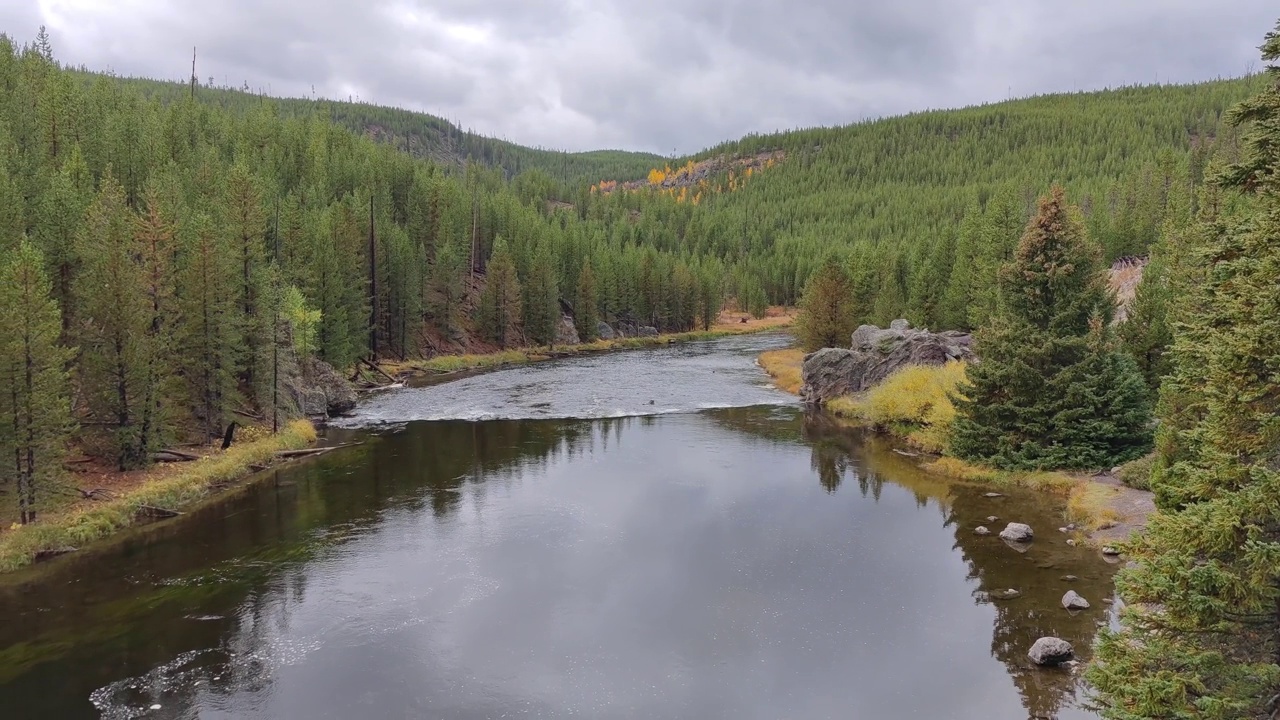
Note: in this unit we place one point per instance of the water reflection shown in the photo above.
(1041, 574)
(711, 565)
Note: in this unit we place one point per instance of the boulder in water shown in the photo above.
(1050, 651)
(1073, 601)
(1017, 532)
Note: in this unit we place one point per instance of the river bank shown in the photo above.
(443, 366)
(142, 496)
(1103, 510)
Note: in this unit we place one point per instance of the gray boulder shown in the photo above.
(875, 354)
(339, 395)
(566, 332)
(1017, 532)
(1073, 601)
(647, 331)
(604, 332)
(981, 530)
(1050, 651)
(829, 373)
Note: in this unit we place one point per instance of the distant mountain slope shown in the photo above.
(424, 135)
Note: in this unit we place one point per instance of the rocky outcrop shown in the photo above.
(1050, 651)
(1017, 532)
(604, 332)
(631, 328)
(326, 392)
(566, 332)
(876, 354)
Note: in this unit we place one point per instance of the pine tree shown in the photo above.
(1200, 637)
(1145, 332)
(116, 327)
(542, 298)
(826, 309)
(586, 306)
(208, 324)
(929, 283)
(500, 301)
(35, 418)
(1052, 389)
(446, 288)
(999, 230)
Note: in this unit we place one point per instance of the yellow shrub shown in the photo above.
(784, 366)
(914, 402)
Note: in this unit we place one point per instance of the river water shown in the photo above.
(546, 542)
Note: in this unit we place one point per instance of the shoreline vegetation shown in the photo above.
(443, 367)
(158, 492)
(1103, 509)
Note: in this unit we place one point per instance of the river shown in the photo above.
(646, 534)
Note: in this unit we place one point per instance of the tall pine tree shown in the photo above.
(1201, 637)
(826, 309)
(1052, 389)
(500, 301)
(35, 414)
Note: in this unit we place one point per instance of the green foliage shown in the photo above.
(1146, 334)
(542, 299)
(826, 310)
(35, 417)
(1052, 390)
(501, 301)
(1137, 473)
(585, 307)
(1199, 639)
(302, 319)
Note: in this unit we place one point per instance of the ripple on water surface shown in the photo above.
(685, 377)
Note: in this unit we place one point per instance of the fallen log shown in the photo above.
(179, 453)
(380, 371)
(302, 453)
(49, 553)
(158, 513)
(165, 456)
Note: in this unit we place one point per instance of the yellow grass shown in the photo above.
(172, 487)
(784, 367)
(913, 403)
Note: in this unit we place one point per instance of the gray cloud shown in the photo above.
(658, 75)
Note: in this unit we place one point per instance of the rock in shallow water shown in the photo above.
(1050, 651)
(1017, 532)
(981, 530)
(1073, 601)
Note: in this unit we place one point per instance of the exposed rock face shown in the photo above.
(875, 355)
(604, 332)
(631, 328)
(339, 396)
(1073, 601)
(1050, 651)
(566, 332)
(1017, 532)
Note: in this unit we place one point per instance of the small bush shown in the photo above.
(1137, 473)
(914, 402)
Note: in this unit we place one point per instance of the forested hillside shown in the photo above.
(169, 243)
(419, 134)
(897, 192)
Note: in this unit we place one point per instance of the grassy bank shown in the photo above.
(913, 406)
(172, 487)
(445, 364)
(784, 367)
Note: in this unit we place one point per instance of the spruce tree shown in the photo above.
(1052, 389)
(207, 325)
(500, 301)
(586, 312)
(35, 416)
(1199, 638)
(116, 327)
(826, 310)
(542, 298)
(1145, 332)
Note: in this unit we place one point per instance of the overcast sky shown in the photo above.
(658, 75)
